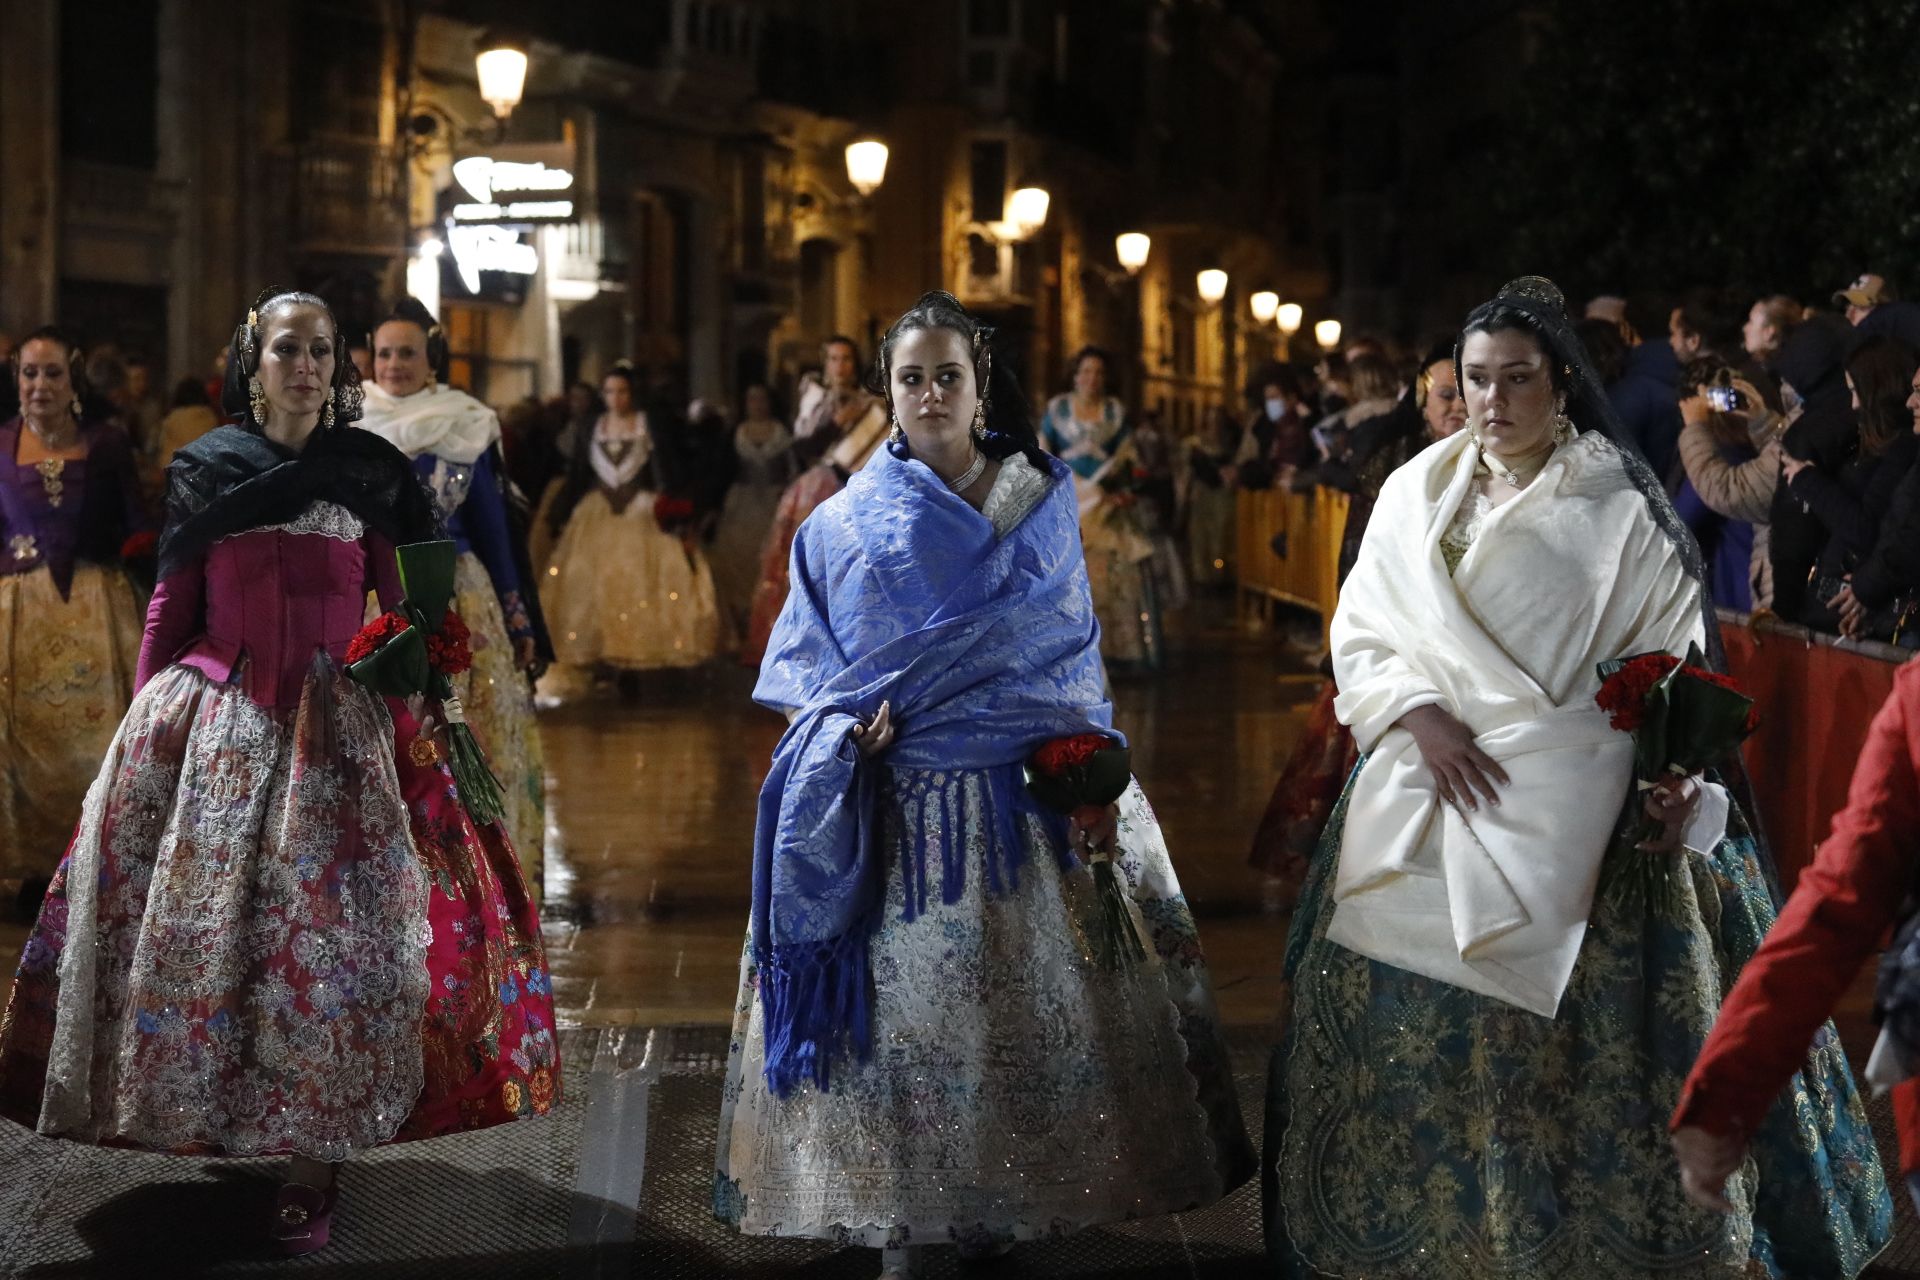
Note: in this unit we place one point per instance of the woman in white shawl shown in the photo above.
(454, 441)
(1481, 1049)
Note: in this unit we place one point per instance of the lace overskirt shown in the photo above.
(1017, 1089)
(267, 938)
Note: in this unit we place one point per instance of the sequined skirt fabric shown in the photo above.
(1017, 1089)
(499, 706)
(622, 593)
(266, 938)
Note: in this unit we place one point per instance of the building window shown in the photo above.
(988, 187)
(110, 82)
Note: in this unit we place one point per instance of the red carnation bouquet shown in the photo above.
(399, 655)
(1684, 718)
(1079, 777)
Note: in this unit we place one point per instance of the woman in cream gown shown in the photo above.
(628, 587)
(1482, 1046)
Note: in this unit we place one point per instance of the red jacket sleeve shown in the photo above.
(174, 616)
(1836, 919)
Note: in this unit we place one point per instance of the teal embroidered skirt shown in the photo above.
(1415, 1129)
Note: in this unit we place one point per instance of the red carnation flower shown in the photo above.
(375, 634)
(1727, 682)
(1056, 757)
(1623, 695)
(450, 652)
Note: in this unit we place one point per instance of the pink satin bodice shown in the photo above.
(274, 597)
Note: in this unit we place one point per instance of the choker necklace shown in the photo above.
(1514, 477)
(965, 479)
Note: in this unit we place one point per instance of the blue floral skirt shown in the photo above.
(1418, 1129)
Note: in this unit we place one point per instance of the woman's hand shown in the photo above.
(1851, 611)
(1791, 466)
(1670, 803)
(1695, 410)
(1459, 767)
(1093, 827)
(876, 735)
(1707, 1160)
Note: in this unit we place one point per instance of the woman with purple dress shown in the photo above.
(276, 931)
(69, 616)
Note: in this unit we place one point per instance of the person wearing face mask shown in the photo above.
(71, 511)
(925, 1048)
(1310, 782)
(276, 931)
(454, 442)
(1474, 1027)
(1089, 430)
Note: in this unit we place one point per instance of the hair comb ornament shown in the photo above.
(1536, 289)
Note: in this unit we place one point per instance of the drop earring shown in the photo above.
(257, 401)
(326, 414)
(896, 433)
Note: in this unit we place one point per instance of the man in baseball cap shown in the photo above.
(1862, 296)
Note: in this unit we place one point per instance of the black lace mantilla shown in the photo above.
(233, 479)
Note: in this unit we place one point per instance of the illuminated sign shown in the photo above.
(489, 248)
(526, 183)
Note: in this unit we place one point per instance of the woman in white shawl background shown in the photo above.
(454, 441)
(1481, 1050)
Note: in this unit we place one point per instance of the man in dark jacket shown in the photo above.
(1811, 364)
(1647, 398)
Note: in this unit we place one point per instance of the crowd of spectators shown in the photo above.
(1786, 435)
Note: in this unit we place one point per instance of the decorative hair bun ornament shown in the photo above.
(1537, 289)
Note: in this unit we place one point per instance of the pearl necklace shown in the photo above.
(964, 481)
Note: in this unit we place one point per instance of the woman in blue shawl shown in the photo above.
(926, 1048)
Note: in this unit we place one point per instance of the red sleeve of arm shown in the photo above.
(173, 618)
(1836, 919)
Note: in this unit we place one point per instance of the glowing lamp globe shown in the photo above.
(1327, 333)
(866, 165)
(1264, 304)
(501, 66)
(1027, 209)
(1132, 248)
(1289, 317)
(1211, 285)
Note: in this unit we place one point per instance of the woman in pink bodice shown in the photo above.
(275, 930)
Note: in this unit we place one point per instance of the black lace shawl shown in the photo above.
(233, 479)
(1541, 301)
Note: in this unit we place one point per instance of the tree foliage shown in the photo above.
(1768, 146)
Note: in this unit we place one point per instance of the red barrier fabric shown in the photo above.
(1816, 701)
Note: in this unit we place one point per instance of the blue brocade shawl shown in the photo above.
(986, 647)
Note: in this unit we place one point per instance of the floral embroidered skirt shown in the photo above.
(622, 592)
(499, 707)
(66, 676)
(1415, 1129)
(1017, 1090)
(267, 938)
